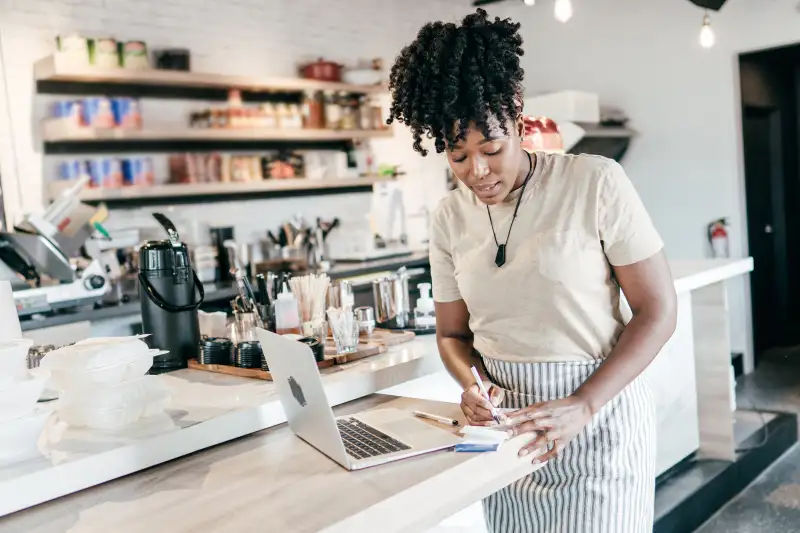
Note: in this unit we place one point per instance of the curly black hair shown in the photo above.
(454, 74)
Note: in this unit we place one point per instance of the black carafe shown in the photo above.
(167, 285)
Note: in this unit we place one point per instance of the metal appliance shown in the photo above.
(392, 302)
(52, 260)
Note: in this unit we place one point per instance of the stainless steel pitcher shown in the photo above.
(392, 305)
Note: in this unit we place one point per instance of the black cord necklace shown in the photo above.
(500, 258)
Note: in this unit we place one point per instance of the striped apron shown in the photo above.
(602, 482)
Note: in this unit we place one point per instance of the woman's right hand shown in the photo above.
(477, 408)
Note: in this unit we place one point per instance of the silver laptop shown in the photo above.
(357, 441)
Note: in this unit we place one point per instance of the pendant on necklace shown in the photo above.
(500, 258)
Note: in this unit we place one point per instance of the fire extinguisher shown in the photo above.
(718, 238)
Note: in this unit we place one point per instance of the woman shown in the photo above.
(527, 260)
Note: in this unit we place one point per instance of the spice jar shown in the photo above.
(314, 110)
(348, 106)
(364, 113)
(377, 116)
(333, 111)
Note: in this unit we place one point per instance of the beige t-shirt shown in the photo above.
(555, 298)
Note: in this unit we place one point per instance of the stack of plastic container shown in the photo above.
(21, 420)
(102, 382)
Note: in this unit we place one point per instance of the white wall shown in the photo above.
(258, 37)
(644, 57)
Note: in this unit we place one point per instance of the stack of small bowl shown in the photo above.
(22, 421)
(102, 382)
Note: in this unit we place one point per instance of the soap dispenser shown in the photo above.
(424, 313)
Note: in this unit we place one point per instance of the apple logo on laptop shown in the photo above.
(297, 391)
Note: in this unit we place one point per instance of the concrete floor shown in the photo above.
(772, 502)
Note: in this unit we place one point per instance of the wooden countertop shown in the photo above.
(273, 481)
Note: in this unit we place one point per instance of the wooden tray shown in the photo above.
(365, 349)
(389, 337)
(375, 344)
(255, 373)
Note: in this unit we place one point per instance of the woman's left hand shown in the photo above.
(556, 423)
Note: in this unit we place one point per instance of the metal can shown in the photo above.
(71, 170)
(137, 171)
(105, 172)
(127, 113)
(97, 112)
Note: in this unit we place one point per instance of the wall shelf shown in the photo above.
(60, 139)
(178, 193)
(608, 141)
(54, 75)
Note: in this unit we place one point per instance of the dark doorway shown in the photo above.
(770, 89)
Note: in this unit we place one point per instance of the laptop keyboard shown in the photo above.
(362, 441)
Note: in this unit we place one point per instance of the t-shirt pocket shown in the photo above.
(562, 257)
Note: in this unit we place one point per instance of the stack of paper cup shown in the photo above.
(9, 321)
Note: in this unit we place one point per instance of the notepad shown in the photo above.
(481, 439)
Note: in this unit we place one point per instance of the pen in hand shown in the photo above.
(485, 393)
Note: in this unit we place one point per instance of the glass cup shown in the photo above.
(346, 340)
(344, 327)
(317, 329)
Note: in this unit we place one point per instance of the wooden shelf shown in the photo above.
(605, 132)
(204, 192)
(55, 131)
(59, 138)
(56, 68)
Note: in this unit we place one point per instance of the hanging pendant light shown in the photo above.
(529, 2)
(563, 10)
(707, 37)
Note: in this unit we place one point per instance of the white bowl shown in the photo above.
(14, 360)
(362, 76)
(113, 407)
(95, 353)
(19, 437)
(64, 379)
(19, 398)
(134, 391)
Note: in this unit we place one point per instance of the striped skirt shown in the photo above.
(603, 481)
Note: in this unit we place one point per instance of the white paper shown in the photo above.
(483, 435)
(9, 321)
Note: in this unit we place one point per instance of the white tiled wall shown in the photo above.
(248, 37)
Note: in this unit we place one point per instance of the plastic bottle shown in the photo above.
(424, 313)
(287, 313)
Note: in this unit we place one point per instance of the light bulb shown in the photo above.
(563, 10)
(707, 38)
(529, 2)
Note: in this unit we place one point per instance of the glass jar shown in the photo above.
(333, 111)
(348, 113)
(314, 110)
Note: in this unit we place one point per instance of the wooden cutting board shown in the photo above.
(389, 337)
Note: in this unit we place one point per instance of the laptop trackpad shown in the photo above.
(405, 427)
